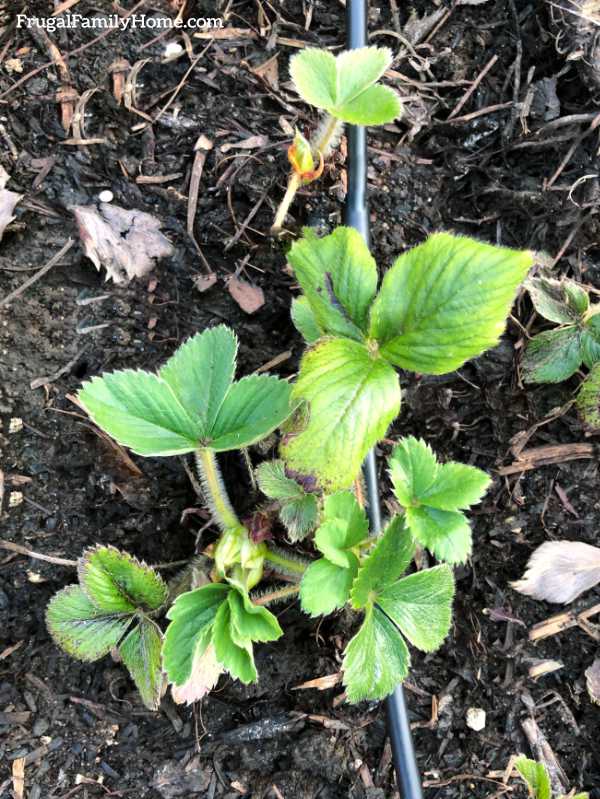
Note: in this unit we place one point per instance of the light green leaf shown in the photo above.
(577, 297)
(275, 484)
(314, 73)
(590, 349)
(352, 398)
(140, 652)
(375, 660)
(253, 408)
(588, 399)
(552, 356)
(456, 487)
(79, 628)
(345, 525)
(358, 69)
(140, 411)
(116, 582)
(192, 616)
(445, 302)
(444, 533)
(377, 105)
(413, 469)
(251, 622)
(304, 320)
(238, 660)
(201, 371)
(556, 300)
(325, 587)
(386, 562)
(339, 279)
(421, 605)
(536, 776)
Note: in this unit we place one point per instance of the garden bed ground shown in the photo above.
(488, 172)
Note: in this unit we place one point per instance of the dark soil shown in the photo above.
(484, 175)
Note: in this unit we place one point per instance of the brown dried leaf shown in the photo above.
(269, 71)
(8, 201)
(559, 571)
(592, 678)
(206, 670)
(127, 243)
(205, 282)
(249, 298)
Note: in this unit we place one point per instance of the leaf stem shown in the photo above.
(294, 183)
(214, 489)
(285, 564)
(276, 596)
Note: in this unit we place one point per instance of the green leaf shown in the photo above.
(456, 487)
(358, 69)
(140, 652)
(444, 533)
(275, 484)
(556, 300)
(536, 776)
(304, 320)
(298, 510)
(251, 622)
(238, 660)
(353, 398)
(421, 606)
(204, 674)
(375, 660)
(253, 408)
(325, 587)
(413, 469)
(377, 105)
(345, 525)
(588, 399)
(299, 516)
(79, 628)
(314, 73)
(445, 302)
(386, 562)
(552, 356)
(116, 582)
(140, 411)
(192, 616)
(201, 371)
(339, 279)
(590, 349)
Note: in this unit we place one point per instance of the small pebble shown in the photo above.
(40, 726)
(15, 425)
(173, 48)
(15, 498)
(106, 196)
(476, 718)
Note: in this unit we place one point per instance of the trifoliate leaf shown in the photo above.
(78, 627)
(413, 469)
(251, 622)
(339, 279)
(201, 371)
(352, 398)
(588, 399)
(456, 487)
(560, 301)
(140, 652)
(536, 776)
(375, 660)
(552, 356)
(204, 675)
(238, 660)
(304, 320)
(444, 533)
(325, 587)
(140, 411)
(253, 408)
(421, 606)
(386, 562)
(116, 582)
(445, 302)
(344, 86)
(192, 616)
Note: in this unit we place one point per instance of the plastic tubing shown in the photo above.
(356, 215)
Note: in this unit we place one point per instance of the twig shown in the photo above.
(34, 278)
(460, 105)
(546, 455)
(20, 550)
(482, 112)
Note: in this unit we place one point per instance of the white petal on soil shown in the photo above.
(206, 670)
(126, 243)
(476, 718)
(559, 571)
(592, 677)
(8, 201)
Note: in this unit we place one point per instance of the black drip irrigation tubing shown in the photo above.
(356, 215)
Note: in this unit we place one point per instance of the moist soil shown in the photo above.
(511, 165)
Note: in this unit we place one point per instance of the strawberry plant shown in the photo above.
(345, 89)
(440, 304)
(556, 355)
(535, 775)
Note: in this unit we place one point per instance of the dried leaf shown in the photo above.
(205, 282)
(251, 143)
(8, 201)
(592, 677)
(127, 243)
(206, 671)
(559, 571)
(269, 72)
(249, 298)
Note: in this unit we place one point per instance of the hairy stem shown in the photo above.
(282, 211)
(277, 595)
(284, 563)
(214, 489)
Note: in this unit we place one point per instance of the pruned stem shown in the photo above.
(292, 187)
(214, 490)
